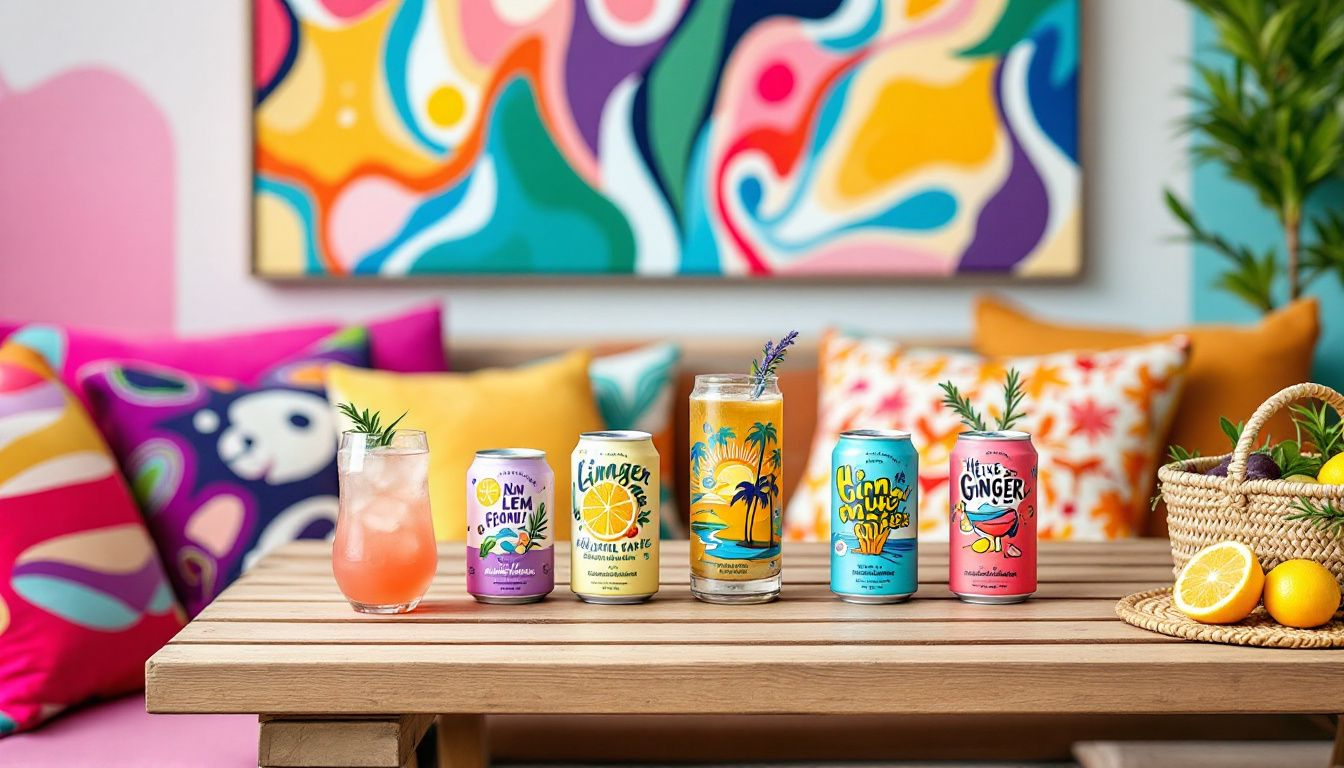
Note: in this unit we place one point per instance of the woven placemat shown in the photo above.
(1155, 610)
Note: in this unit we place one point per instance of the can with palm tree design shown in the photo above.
(874, 498)
(615, 497)
(737, 454)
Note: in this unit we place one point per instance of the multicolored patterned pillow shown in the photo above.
(225, 472)
(634, 390)
(84, 600)
(411, 342)
(1097, 420)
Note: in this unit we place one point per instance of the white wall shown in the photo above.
(193, 57)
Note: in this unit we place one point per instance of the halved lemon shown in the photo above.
(1221, 584)
(608, 511)
(487, 492)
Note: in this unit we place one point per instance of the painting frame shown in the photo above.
(1071, 268)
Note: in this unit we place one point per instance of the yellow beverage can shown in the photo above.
(615, 490)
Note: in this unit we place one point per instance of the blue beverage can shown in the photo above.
(874, 516)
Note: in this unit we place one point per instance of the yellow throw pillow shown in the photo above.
(544, 405)
(1233, 369)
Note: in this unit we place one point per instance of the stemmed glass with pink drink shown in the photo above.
(384, 555)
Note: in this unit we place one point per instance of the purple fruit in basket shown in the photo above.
(1259, 466)
(1221, 469)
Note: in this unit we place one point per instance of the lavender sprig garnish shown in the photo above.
(771, 356)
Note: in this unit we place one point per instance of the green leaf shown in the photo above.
(488, 545)
(1179, 210)
(960, 405)
(1320, 426)
(1177, 453)
(1233, 431)
(1326, 517)
(1013, 394)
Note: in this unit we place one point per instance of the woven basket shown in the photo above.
(1204, 510)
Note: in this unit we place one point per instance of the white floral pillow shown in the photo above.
(1097, 420)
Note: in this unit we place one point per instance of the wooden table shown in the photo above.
(338, 688)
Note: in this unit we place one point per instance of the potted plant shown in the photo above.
(1274, 119)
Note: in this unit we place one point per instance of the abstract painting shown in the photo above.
(746, 138)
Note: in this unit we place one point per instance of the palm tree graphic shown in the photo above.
(760, 436)
(748, 493)
(721, 437)
(699, 452)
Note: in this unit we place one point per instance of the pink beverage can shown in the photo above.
(510, 520)
(992, 554)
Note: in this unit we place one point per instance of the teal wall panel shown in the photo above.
(1231, 209)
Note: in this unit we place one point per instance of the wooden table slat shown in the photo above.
(679, 574)
(710, 633)
(282, 641)
(327, 591)
(669, 610)
(578, 679)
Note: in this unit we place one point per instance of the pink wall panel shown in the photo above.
(86, 204)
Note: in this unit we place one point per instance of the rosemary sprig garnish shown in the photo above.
(961, 405)
(1013, 395)
(1314, 422)
(370, 424)
(771, 356)
(1327, 517)
(1012, 400)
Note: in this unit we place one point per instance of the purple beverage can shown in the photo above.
(510, 511)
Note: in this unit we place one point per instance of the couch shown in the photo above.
(119, 733)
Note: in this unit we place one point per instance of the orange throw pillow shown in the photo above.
(1233, 369)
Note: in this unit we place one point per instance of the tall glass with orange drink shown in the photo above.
(384, 555)
(737, 450)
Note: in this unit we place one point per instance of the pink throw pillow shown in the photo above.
(84, 600)
(411, 342)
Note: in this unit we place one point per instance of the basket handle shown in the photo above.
(1236, 471)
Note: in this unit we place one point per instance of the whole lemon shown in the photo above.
(1301, 593)
(1311, 479)
(1332, 471)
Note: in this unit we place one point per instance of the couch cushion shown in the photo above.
(1232, 368)
(1096, 420)
(544, 405)
(634, 390)
(84, 599)
(119, 734)
(225, 471)
(411, 342)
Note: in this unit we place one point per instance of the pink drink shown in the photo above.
(384, 555)
(992, 553)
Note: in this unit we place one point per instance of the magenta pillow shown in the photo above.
(411, 342)
(84, 600)
(224, 471)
